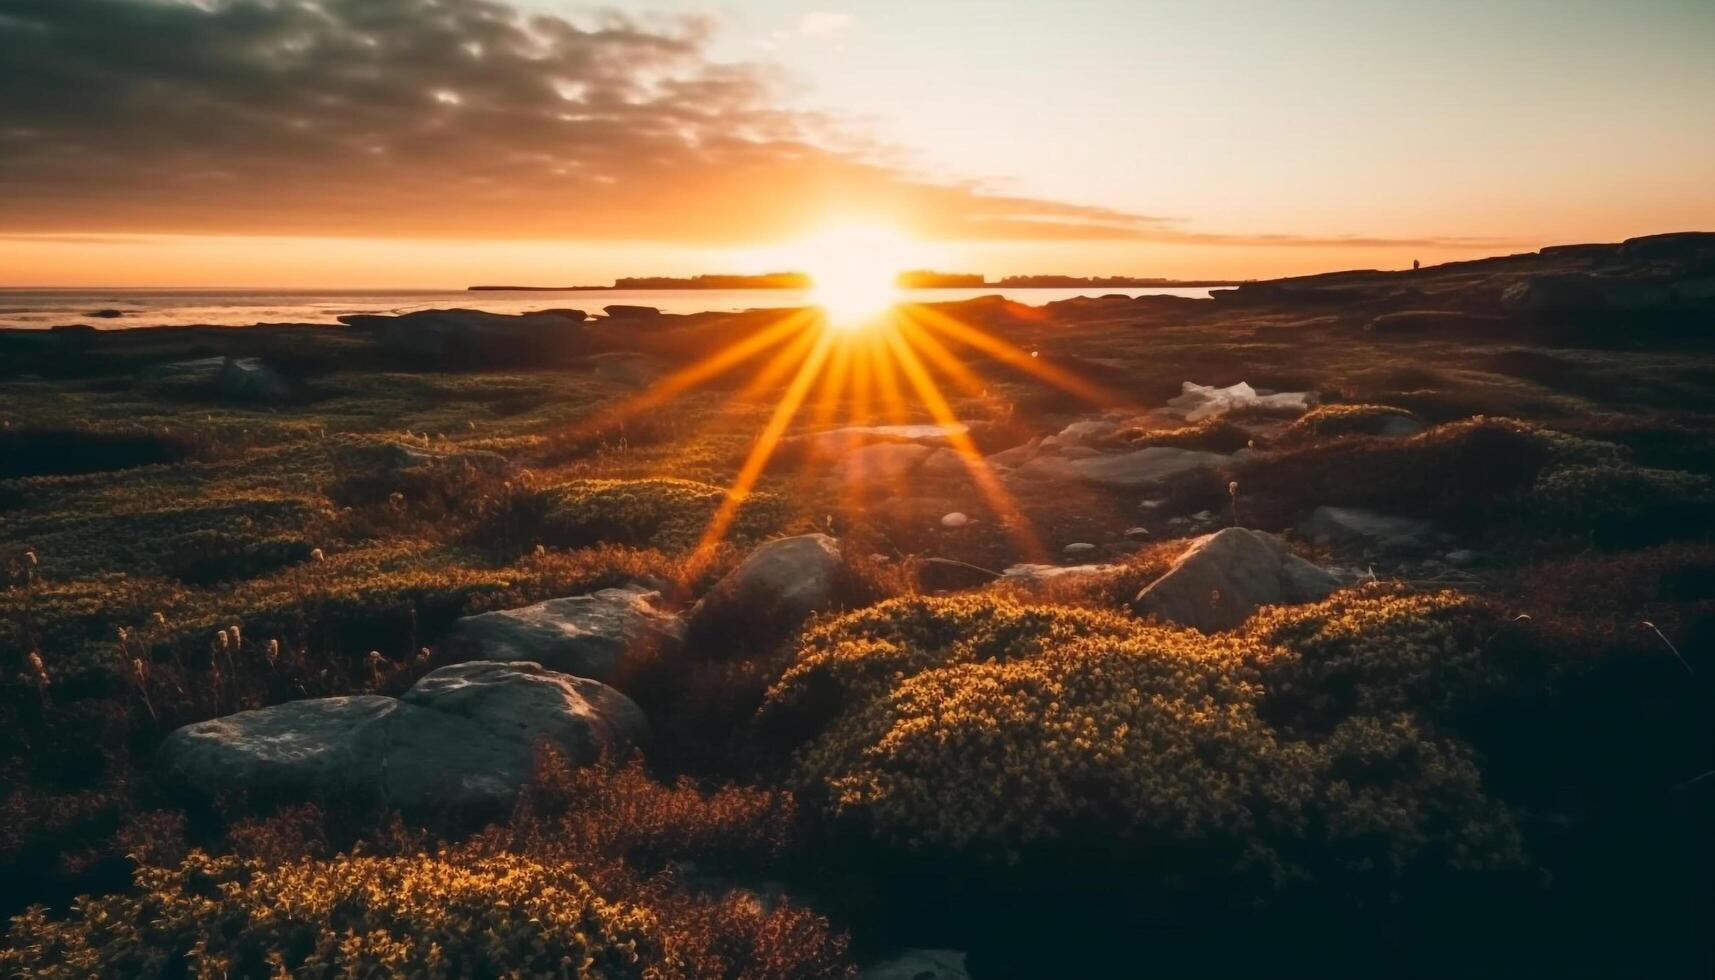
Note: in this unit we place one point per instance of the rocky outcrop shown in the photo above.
(239, 379)
(1142, 468)
(1368, 532)
(620, 311)
(1224, 577)
(440, 335)
(773, 590)
(461, 741)
(584, 635)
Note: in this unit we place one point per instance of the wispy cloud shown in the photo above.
(445, 118)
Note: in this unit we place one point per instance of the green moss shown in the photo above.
(664, 513)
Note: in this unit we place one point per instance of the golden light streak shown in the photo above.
(1012, 355)
(766, 442)
(987, 483)
(692, 375)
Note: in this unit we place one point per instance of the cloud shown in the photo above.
(447, 119)
(824, 23)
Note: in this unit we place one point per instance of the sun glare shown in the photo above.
(855, 271)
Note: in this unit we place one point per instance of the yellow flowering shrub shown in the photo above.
(1368, 651)
(353, 915)
(981, 726)
(858, 656)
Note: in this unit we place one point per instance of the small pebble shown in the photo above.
(1462, 557)
(1078, 548)
(1137, 532)
(1149, 504)
(955, 519)
(1204, 515)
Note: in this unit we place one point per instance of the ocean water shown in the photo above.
(43, 308)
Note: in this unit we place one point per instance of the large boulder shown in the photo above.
(1224, 577)
(583, 635)
(1143, 467)
(323, 747)
(774, 589)
(461, 741)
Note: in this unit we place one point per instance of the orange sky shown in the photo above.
(357, 143)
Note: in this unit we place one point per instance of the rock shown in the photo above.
(248, 379)
(241, 378)
(881, 462)
(448, 334)
(944, 464)
(461, 740)
(297, 750)
(774, 589)
(1016, 456)
(920, 964)
(1078, 548)
(1462, 557)
(203, 370)
(1143, 467)
(584, 635)
(845, 438)
(1198, 402)
(1027, 574)
(1137, 533)
(1224, 577)
(620, 311)
(1086, 431)
(955, 519)
(1550, 294)
(1353, 528)
(106, 314)
(1151, 504)
(514, 707)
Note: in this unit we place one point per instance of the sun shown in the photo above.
(855, 270)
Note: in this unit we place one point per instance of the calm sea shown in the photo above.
(242, 307)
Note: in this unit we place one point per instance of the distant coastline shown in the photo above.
(916, 279)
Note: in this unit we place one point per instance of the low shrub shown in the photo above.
(352, 915)
(1373, 652)
(1621, 504)
(1216, 435)
(979, 727)
(1347, 420)
(1457, 473)
(571, 887)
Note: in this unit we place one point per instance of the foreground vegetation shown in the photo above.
(1503, 763)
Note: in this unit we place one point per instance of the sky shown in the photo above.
(436, 143)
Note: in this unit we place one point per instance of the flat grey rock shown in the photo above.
(585, 635)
